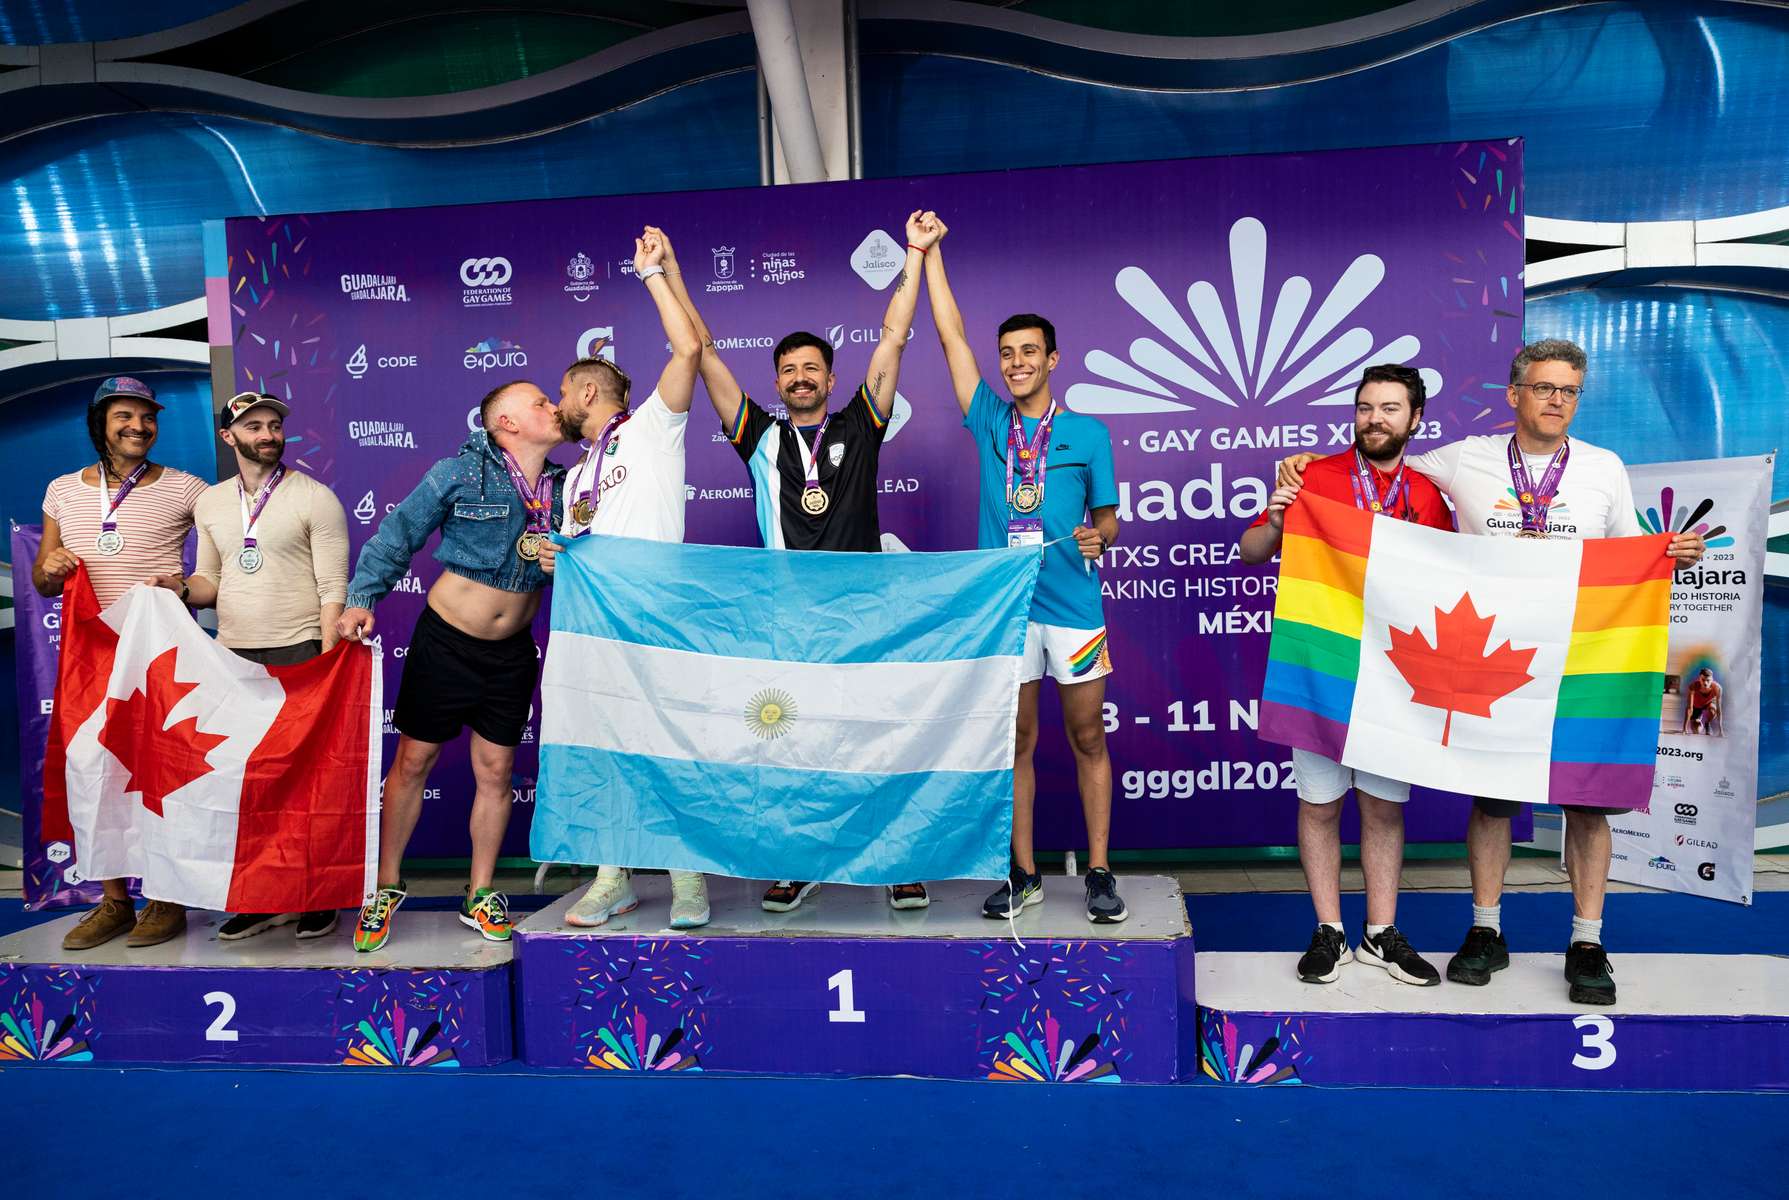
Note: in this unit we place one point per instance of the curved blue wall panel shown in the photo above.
(42, 22)
(1630, 111)
(103, 215)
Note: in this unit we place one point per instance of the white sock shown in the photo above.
(1374, 931)
(1335, 925)
(611, 872)
(1586, 930)
(1488, 915)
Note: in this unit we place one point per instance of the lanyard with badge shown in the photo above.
(814, 500)
(1028, 497)
(1536, 498)
(251, 558)
(538, 501)
(1394, 501)
(110, 541)
(590, 496)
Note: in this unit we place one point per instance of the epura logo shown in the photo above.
(494, 352)
(876, 260)
(581, 271)
(486, 282)
(374, 287)
(726, 266)
(389, 434)
(358, 363)
(1292, 352)
(1661, 863)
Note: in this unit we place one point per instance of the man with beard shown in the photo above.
(1388, 407)
(273, 561)
(126, 518)
(472, 660)
(630, 484)
(814, 472)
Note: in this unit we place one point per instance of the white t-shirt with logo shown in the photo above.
(1594, 499)
(641, 478)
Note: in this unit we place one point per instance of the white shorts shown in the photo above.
(1324, 780)
(1066, 655)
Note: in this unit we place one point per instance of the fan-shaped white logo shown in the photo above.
(1237, 364)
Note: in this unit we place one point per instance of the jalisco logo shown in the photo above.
(494, 352)
(1263, 359)
(486, 282)
(581, 271)
(374, 287)
(876, 259)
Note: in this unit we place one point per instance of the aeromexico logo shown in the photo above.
(1266, 346)
(494, 353)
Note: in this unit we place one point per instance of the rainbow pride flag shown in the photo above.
(1513, 668)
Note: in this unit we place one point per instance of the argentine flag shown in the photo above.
(775, 714)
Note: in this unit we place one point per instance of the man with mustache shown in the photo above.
(814, 472)
(126, 518)
(1388, 407)
(630, 484)
(273, 561)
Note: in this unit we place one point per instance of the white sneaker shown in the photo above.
(611, 895)
(689, 900)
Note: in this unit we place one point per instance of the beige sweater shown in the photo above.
(302, 535)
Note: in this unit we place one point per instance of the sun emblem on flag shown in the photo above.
(770, 713)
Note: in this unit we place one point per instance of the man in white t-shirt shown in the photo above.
(1538, 483)
(630, 484)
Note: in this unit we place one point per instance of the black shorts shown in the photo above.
(453, 680)
(1509, 808)
(282, 656)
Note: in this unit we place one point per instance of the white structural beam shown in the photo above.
(1612, 246)
(807, 60)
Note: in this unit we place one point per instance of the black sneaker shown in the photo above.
(1323, 961)
(1392, 951)
(1483, 952)
(317, 924)
(1103, 905)
(1587, 970)
(1028, 888)
(247, 925)
(786, 895)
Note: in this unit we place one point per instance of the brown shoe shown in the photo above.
(111, 918)
(159, 922)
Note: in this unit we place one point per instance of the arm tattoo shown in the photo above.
(876, 385)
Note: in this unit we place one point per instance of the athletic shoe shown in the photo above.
(1103, 905)
(689, 900)
(908, 895)
(1483, 952)
(1322, 963)
(1587, 970)
(486, 910)
(102, 923)
(786, 895)
(1028, 888)
(1391, 950)
(160, 921)
(375, 918)
(247, 925)
(611, 895)
(317, 924)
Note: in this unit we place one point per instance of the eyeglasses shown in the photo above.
(1544, 391)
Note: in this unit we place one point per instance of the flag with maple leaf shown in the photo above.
(1510, 668)
(221, 783)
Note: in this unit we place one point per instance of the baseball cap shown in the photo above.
(241, 402)
(125, 386)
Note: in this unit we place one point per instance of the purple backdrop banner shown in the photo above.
(1215, 313)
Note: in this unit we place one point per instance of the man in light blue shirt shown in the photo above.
(1046, 481)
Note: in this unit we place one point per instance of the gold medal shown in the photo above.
(581, 512)
(528, 546)
(1377, 507)
(1026, 498)
(814, 501)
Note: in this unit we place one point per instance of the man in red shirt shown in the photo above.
(1388, 407)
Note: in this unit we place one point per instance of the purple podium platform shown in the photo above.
(1691, 1022)
(846, 986)
(437, 997)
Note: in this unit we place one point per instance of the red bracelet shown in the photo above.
(921, 249)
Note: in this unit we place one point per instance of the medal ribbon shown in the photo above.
(249, 517)
(538, 500)
(810, 463)
(1031, 455)
(108, 505)
(1536, 498)
(1366, 492)
(593, 459)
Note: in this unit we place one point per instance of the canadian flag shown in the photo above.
(220, 783)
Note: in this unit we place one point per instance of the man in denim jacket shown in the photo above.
(472, 659)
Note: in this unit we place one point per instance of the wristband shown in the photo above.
(648, 272)
(921, 249)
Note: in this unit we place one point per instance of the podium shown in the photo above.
(844, 985)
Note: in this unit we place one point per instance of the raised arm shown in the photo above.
(677, 383)
(897, 322)
(964, 374)
(723, 390)
(1261, 542)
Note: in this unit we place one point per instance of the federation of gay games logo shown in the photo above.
(582, 275)
(1670, 517)
(877, 259)
(1262, 357)
(485, 282)
(493, 353)
(597, 342)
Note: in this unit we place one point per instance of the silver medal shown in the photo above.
(249, 560)
(109, 542)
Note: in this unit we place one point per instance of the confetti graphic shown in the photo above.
(402, 1019)
(46, 1017)
(1022, 1038)
(639, 1005)
(1684, 518)
(1275, 1060)
(1052, 1058)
